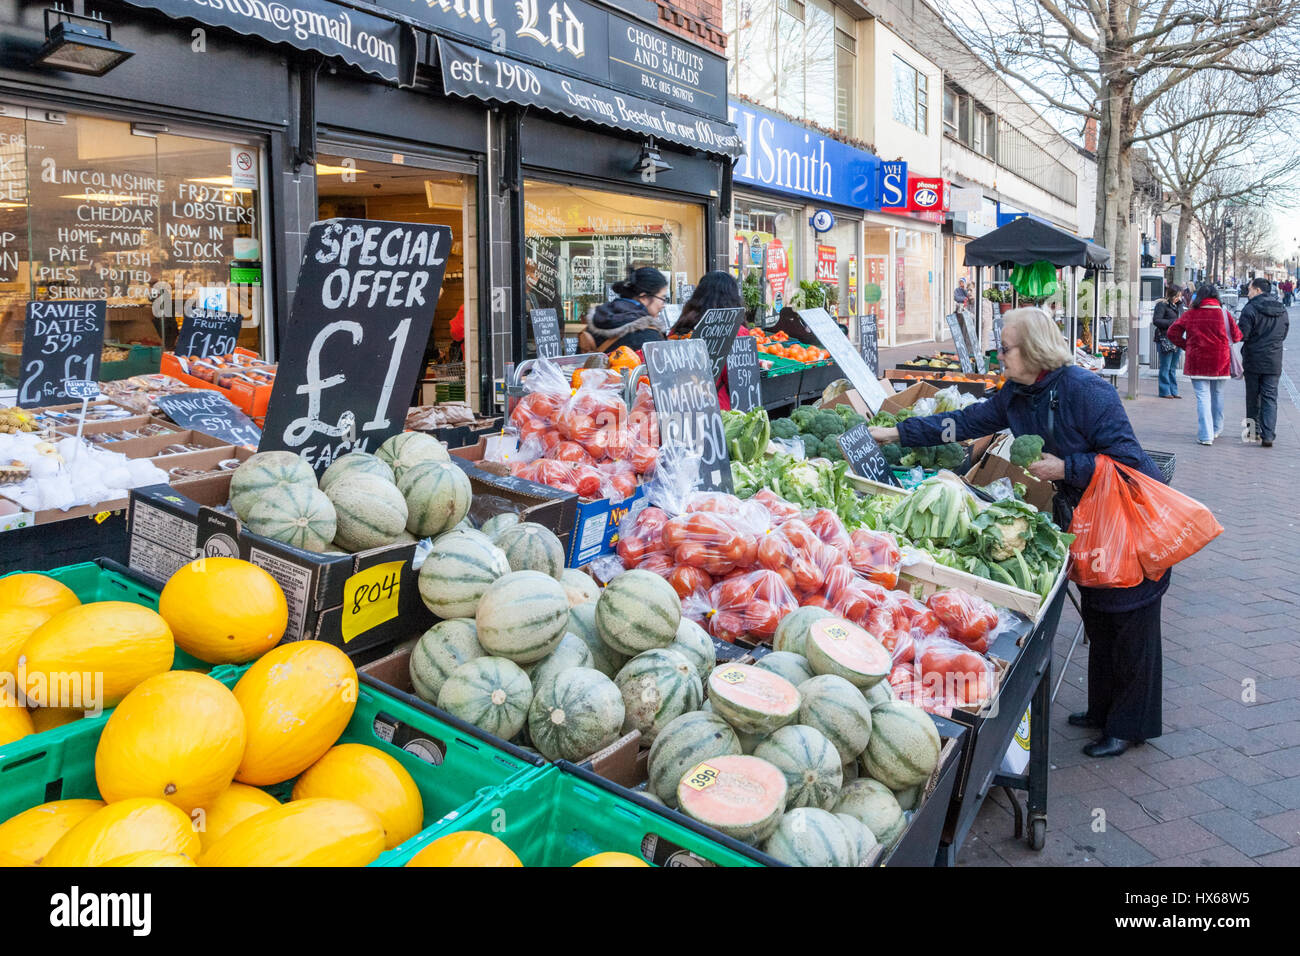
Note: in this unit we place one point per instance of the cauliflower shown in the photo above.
(1011, 537)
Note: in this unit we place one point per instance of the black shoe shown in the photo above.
(1084, 719)
(1266, 444)
(1106, 747)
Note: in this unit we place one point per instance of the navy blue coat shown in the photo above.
(1089, 419)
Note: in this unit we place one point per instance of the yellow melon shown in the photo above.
(15, 721)
(152, 858)
(196, 602)
(127, 826)
(372, 778)
(17, 623)
(236, 804)
(178, 736)
(612, 859)
(296, 698)
(27, 837)
(38, 591)
(316, 832)
(47, 718)
(468, 848)
(121, 644)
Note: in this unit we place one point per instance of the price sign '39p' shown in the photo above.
(355, 340)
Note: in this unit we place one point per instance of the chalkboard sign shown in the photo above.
(864, 455)
(869, 344)
(212, 414)
(546, 332)
(717, 329)
(205, 333)
(959, 342)
(997, 332)
(61, 340)
(686, 402)
(669, 314)
(361, 316)
(571, 345)
(744, 378)
(833, 340)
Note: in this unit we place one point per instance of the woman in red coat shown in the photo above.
(1207, 331)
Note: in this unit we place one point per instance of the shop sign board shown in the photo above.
(373, 44)
(778, 267)
(834, 340)
(546, 332)
(354, 341)
(864, 455)
(471, 72)
(785, 157)
(243, 168)
(828, 265)
(686, 402)
(206, 332)
(744, 377)
(62, 340)
(893, 185)
(211, 413)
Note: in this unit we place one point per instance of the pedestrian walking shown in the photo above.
(1079, 416)
(1207, 332)
(1285, 288)
(631, 319)
(1166, 314)
(1264, 325)
(961, 295)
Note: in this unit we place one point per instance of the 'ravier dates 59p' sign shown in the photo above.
(361, 315)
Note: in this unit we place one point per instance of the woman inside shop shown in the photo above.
(1079, 415)
(632, 319)
(1207, 331)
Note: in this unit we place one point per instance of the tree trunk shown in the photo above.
(1183, 240)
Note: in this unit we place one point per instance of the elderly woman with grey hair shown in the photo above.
(1079, 416)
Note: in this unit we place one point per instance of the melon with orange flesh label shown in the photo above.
(742, 797)
(838, 647)
(752, 700)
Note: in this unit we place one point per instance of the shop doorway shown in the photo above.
(397, 187)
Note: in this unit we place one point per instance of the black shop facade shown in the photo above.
(172, 156)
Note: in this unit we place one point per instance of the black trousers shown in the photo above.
(1124, 675)
(1261, 403)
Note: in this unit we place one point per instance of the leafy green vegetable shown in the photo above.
(747, 434)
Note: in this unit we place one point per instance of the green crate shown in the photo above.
(782, 366)
(556, 818)
(141, 360)
(455, 767)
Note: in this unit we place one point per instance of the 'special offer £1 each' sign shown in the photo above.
(361, 316)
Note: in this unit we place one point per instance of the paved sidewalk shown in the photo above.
(1221, 787)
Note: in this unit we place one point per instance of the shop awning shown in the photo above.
(477, 74)
(1024, 241)
(374, 44)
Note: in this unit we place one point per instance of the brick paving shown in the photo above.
(1221, 787)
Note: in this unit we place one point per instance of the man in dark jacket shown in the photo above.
(1264, 324)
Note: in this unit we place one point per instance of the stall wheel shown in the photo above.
(1038, 832)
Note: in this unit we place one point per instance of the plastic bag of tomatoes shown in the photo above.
(742, 606)
(955, 674)
(545, 390)
(876, 555)
(968, 619)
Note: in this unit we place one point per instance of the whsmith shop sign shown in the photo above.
(783, 157)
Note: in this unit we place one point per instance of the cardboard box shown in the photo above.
(170, 526)
(940, 381)
(991, 467)
(907, 397)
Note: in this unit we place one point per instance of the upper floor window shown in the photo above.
(952, 103)
(911, 96)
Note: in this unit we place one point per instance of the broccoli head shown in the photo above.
(1026, 449)
(784, 428)
(803, 416)
(950, 456)
(831, 450)
(848, 416)
(893, 452)
(825, 424)
(918, 456)
(883, 420)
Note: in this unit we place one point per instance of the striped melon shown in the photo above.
(355, 463)
(579, 586)
(437, 497)
(465, 525)
(904, 746)
(440, 650)
(693, 641)
(461, 566)
(836, 646)
(569, 653)
(491, 693)
(683, 743)
(638, 611)
(408, 449)
(498, 523)
(742, 797)
(575, 713)
(523, 616)
(793, 629)
(810, 763)
(910, 798)
(264, 471)
(838, 710)
(793, 667)
(582, 622)
(297, 515)
(371, 512)
(875, 805)
(747, 741)
(859, 834)
(531, 547)
(753, 701)
(809, 836)
(658, 686)
(880, 692)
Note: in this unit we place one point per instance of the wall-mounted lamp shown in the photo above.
(80, 44)
(651, 160)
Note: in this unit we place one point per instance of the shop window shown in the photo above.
(952, 103)
(579, 242)
(911, 96)
(765, 250)
(153, 222)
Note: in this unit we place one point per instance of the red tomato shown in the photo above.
(789, 579)
(733, 594)
(807, 575)
(692, 553)
(826, 525)
(633, 547)
(570, 451)
(588, 482)
(780, 509)
(900, 645)
(880, 621)
(658, 562)
(962, 677)
(675, 532)
(686, 580)
(799, 534)
(728, 626)
(774, 551)
(625, 485)
(761, 619)
(926, 623)
(967, 617)
(815, 600)
(643, 457)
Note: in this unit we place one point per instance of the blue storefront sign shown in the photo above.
(787, 158)
(893, 185)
